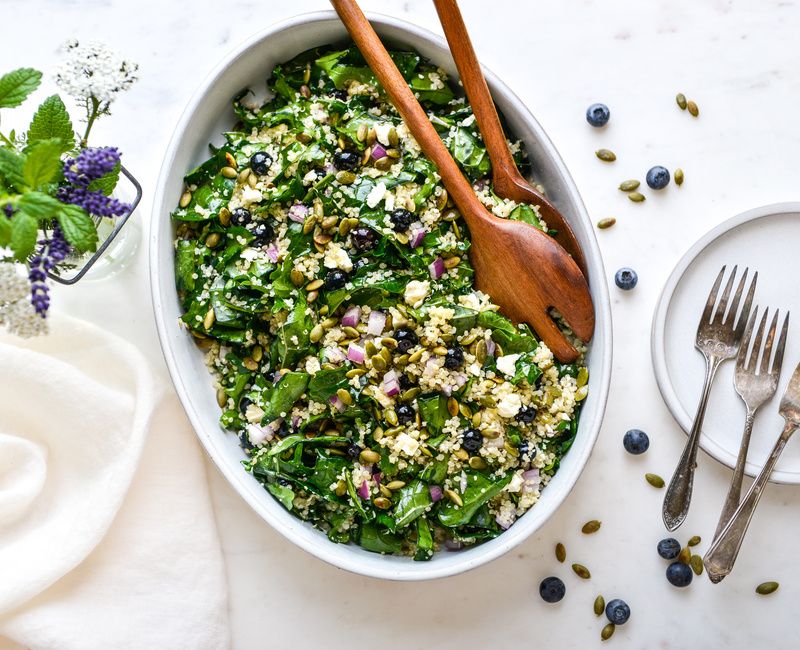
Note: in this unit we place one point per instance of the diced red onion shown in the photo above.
(453, 545)
(436, 493)
(391, 388)
(351, 316)
(334, 354)
(390, 376)
(337, 403)
(461, 379)
(298, 212)
(376, 322)
(296, 421)
(378, 152)
(258, 434)
(436, 268)
(447, 390)
(272, 253)
(418, 233)
(355, 353)
(530, 480)
(363, 490)
(329, 168)
(490, 347)
(377, 478)
(501, 522)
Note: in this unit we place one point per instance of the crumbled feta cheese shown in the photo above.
(406, 444)
(250, 195)
(312, 366)
(254, 413)
(376, 194)
(382, 131)
(416, 292)
(515, 485)
(509, 405)
(507, 364)
(336, 257)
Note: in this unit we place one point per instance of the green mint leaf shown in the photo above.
(78, 227)
(107, 183)
(43, 162)
(11, 164)
(17, 85)
(5, 230)
(40, 205)
(24, 228)
(52, 121)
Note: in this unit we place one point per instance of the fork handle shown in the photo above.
(679, 491)
(721, 556)
(735, 490)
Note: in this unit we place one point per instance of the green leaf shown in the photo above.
(52, 121)
(413, 500)
(325, 383)
(106, 183)
(11, 164)
(424, 541)
(43, 162)
(40, 205)
(286, 392)
(480, 489)
(5, 230)
(282, 493)
(433, 411)
(24, 228)
(17, 85)
(377, 540)
(78, 227)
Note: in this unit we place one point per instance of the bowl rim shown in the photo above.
(234, 475)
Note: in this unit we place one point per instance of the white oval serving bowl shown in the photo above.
(206, 117)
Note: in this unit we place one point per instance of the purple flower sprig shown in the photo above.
(90, 165)
(51, 252)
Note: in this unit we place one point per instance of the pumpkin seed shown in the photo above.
(323, 311)
(212, 240)
(766, 588)
(329, 222)
(581, 571)
(655, 480)
(244, 175)
(321, 238)
(696, 563)
(441, 200)
(346, 225)
(393, 153)
(636, 197)
(680, 99)
(392, 135)
(222, 398)
(308, 224)
(581, 393)
(384, 163)
(454, 496)
(410, 394)
(209, 319)
(511, 449)
(476, 462)
(452, 406)
(345, 396)
(314, 285)
(297, 277)
(481, 351)
(385, 491)
(606, 155)
(389, 343)
(476, 420)
(452, 262)
(186, 199)
(599, 605)
(372, 135)
(401, 237)
(228, 172)
(465, 410)
(361, 134)
(561, 552)
(305, 91)
(692, 107)
(685, 556)
(368, 457)
(395, 485)
(694, 540)
(607, 631)
(606, 223)
(257, 353)
(224, 216)
(461, 454)
(311, 296)
(382, 502)
(355, 372)
(341, 488)
(583, 376)
(352, 332)
(345, 177)
(250, 364)
(678, 176)
(629, 186)
(591, 527)
(415, 356)
(391, 417)
(386, 353)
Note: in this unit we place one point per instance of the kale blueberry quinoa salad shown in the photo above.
(321, 266)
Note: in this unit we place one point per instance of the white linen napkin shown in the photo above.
(107, 537)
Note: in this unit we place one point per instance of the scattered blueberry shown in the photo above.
(360, 264)
(241, 217)
(353, 451)
(364, 239)
(618, 612)
(405, 382)
(636, 442)
(405, 413)
(454, 358)
(346, 160)
(657, 177)
(523, 447)
(552, 589)
(626, 279)
(244, 403)
(260, 162)
(335, 279)
(679, 574)
(471, 440)
(669, 548)
(264, 233)
(526, 414)
(406, 339)
(597, 115)
(340, 94)
(401, 219)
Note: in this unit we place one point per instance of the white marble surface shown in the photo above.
(739, 60)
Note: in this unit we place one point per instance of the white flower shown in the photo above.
(16, 311)
(94, 71)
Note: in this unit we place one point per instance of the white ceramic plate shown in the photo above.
(206, 117)
(766, 240)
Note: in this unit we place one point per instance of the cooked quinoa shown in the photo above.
(323, 269)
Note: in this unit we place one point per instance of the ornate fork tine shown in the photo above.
(720, 315)
(778, 361)
(708, 311)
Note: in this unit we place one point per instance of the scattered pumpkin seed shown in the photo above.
(591, 527)
(685, 556)
(257, 353)
(606, 155)
(452, 262)
(476, 462)
(680, 99)
(212, 241)
(629, 186)
(222, 398)
(392, 135)
(382, 502)
(314, 285)
(186, 199)
(636, 197)
(390, 416)
(599, 605)
(454, 496)
(678, 176)
(297, 277)
(368, 457)
(344, 395)
(355, 372)
(352, 332)
(395, 485)
(461, 454)
(692, 107)
(606, 223)
(696, 563)
(694, 540)
(305, 91)
(228, 172)
(410, 394)
(224, 216)
(452, 406)
(209, 319)
(311, 296)
(607, 631)
(345, 177)
(561, 552)
(341, 488)
(655, 480)
(250, 364)
(384, 163)
(766, 588)
(581, 571)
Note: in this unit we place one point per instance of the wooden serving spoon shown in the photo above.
(508, 182)
(525, 271)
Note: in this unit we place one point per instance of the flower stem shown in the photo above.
(92, 115)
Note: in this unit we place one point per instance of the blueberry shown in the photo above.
(335, 279)
(657, 177)
(353, 451)
(364, 239)
(244, 403)
(679, 574)
(264, 233)
(669, 548)
(241, 217)
(346, 160)
(626, 278)
(244, 441)
(471, 440)
(406, 339)
(340, 94)
(454, 358)
(401, 219)
(523, 448)
(597, 115)
(405, 413)
(405, 382)
(618, 612)
(526, 414)
(260, 162)
(635, 441)
(552, 589)
(360, 264)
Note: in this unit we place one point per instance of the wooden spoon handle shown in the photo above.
(409, 108)
(480, 99)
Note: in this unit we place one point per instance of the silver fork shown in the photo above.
(756, 383)
(718, 336)
(721, 556)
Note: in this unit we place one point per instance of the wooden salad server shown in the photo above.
(509, 183)
(525, 271)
